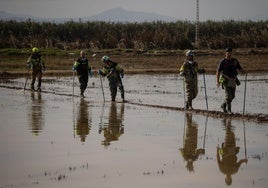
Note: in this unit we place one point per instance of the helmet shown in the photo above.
(82, 53)
(228, 49)
(35, 49)
(105, 58)
(189, 53)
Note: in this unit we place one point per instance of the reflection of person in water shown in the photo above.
(226, 155)
(83, 124)
(115, 127)
(36, 113)
(189, 151)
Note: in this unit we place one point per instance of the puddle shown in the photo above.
(51, 139)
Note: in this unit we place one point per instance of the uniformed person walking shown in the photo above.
(37, 65)
(83, 70)
(227, 76)
(189, 71)
(114, 72)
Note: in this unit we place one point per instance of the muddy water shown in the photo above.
(54, 140)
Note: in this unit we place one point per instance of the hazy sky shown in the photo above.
(181, 9)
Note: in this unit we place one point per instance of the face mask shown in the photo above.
(191, 62)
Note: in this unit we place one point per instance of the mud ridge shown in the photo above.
(260, 118)
(50, 92)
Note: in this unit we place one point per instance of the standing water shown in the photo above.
(51, 139)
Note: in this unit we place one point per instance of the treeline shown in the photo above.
(141, 36)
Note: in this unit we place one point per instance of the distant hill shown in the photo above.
(111, 15)
(122, 15)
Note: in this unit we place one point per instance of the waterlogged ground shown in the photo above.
(51, 139)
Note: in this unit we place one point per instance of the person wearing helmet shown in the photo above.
(83, 70)
(37, 65)
(189, 70)
(227, 76)
(114, 72)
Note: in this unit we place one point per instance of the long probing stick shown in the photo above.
(184, 98)
(26, 79)
(206, 97)
(102, 88)
(245, 91)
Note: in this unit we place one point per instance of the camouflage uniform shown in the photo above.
(189, 70)
(38, 66)
(114, 72)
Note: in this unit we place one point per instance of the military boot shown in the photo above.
(123, 97)
(223, 106)
(39, 85)
(190, 105)
(229, 108)
(186, 107)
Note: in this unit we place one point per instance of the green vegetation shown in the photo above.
(137, 36)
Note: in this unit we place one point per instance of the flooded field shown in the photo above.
(51, 139)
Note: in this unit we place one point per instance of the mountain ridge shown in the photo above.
(117, 14)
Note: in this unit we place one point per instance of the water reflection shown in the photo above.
(84, 120)
(36, 116)
(189, 152)
(114, 128)
(226, 154)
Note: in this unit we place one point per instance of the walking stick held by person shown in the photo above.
(205, 87)
(102, 88)
(27, 77)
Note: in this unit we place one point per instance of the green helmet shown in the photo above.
(35, 49)
(105, 58)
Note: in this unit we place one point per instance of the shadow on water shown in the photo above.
(190, 152)
(84, 120)
(227, 159)
(36, 113)
(113, 128)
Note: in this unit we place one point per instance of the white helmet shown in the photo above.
(105, 58)
(189, 53)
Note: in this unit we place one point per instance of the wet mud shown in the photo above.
(54, 139)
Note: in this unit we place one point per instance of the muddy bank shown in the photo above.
(155, 62)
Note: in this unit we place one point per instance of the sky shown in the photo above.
(180, 9)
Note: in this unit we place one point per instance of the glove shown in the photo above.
(182, 74)
(90, 73)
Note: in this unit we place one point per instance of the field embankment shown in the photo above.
(134, 62)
